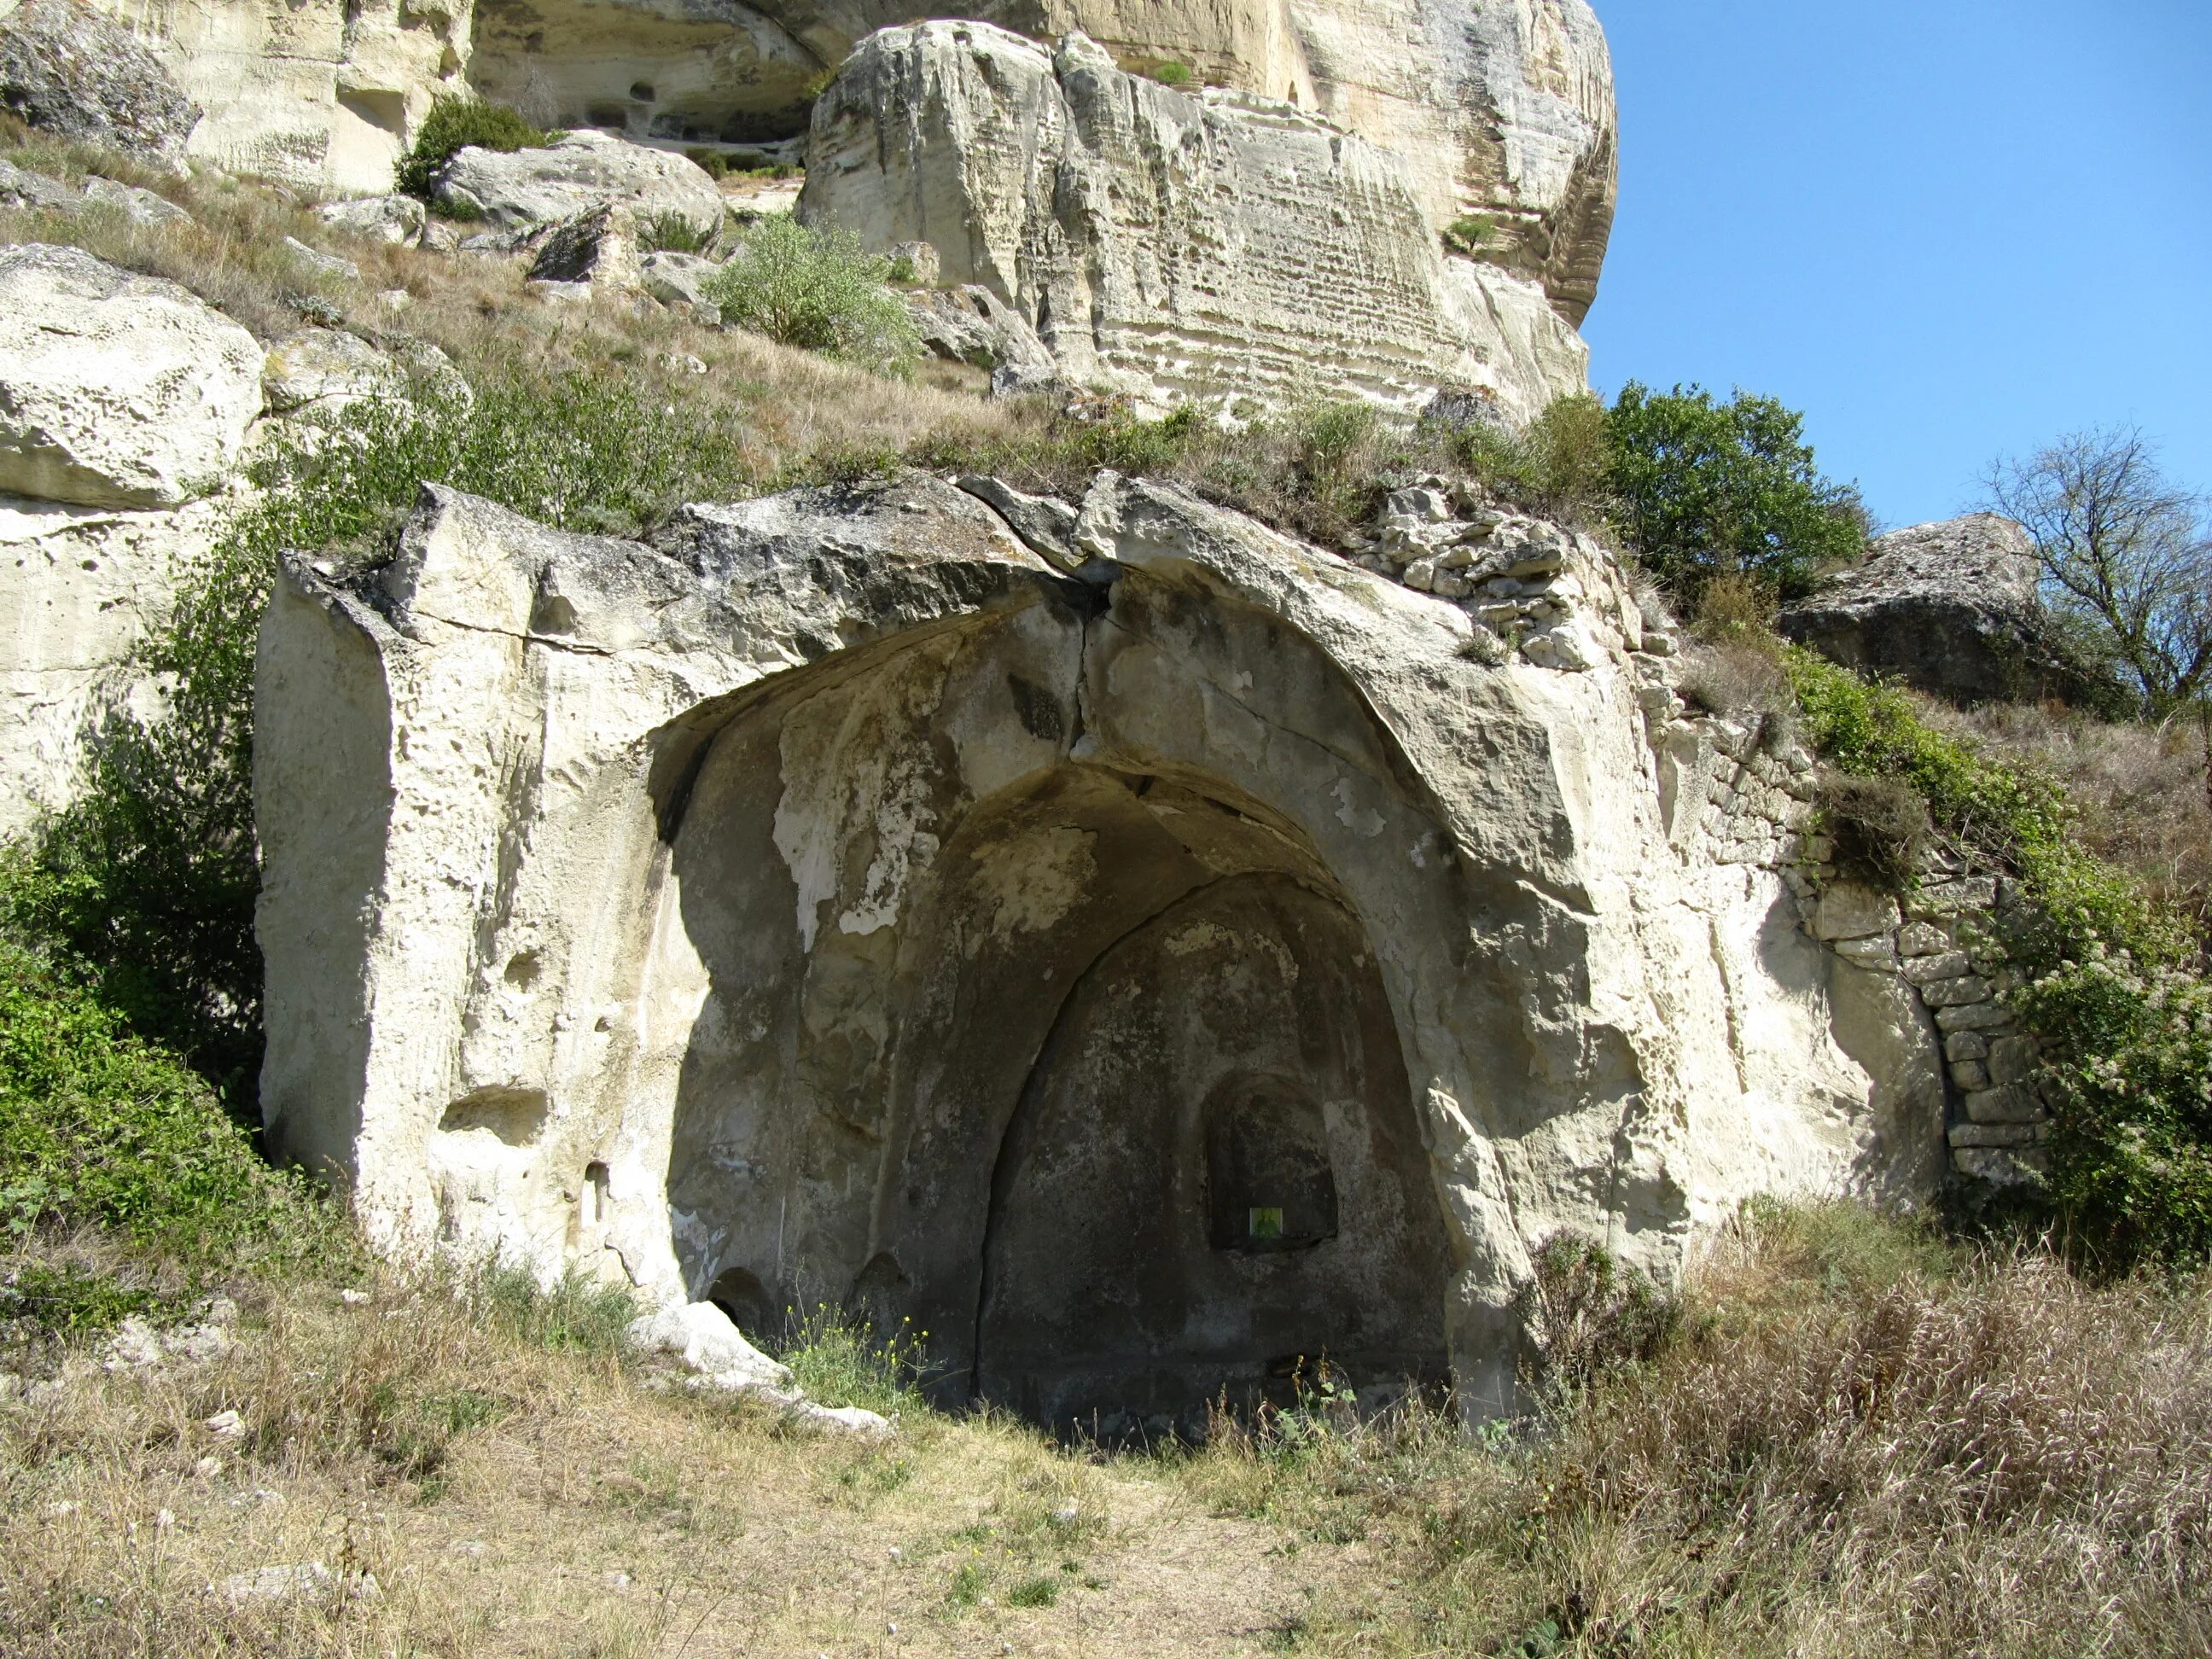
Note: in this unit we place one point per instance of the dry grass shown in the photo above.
(789, 415)
(2141, 788)
(1864, 1442)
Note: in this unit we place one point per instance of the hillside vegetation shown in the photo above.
(1847, 1435)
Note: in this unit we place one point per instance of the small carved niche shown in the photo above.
(1268, 1182)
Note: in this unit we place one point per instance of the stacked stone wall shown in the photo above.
(1740, 790)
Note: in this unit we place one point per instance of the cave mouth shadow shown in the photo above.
(1147, 1150)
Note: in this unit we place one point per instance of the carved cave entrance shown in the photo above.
(1090, 1072)
(705, 78)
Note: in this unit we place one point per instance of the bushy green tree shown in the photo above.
(1703, 487)
(816, 289)
(454, 124)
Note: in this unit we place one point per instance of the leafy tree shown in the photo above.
(1704, 488)
(2127, 557)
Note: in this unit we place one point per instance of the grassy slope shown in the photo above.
(1863, 1441)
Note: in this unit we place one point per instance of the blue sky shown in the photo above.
(1942, 229)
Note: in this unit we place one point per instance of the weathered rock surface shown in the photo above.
(721, 913)
(139, 205)
(678, 281)
(80, 587)
(972, 325)
(71, 71)
(386, 218)
(326, 368)
(116, 390)
(580, 172)
(598, 247)
(1504, 113)
(1170, 244)
(323, 94)
(21, 188)
(1950, 608)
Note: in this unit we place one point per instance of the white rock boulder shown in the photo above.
(513, 190)
(116, 390)
(1046, 928)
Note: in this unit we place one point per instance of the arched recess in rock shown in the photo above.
(895, 866)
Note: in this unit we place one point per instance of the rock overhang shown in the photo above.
(748, 881)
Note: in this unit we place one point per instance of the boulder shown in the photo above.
(140, 206)
(972, 325)
(116, 390)
(678, 280)
(21, 189)
(1171, 245)
(80, 587)
(326, 369)
(390, 218)
(597, 246)
(80, 73)
(583, 170)
(1950, 608)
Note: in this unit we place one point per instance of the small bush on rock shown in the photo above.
(817, 289)
(1880, 826)
(454, 124)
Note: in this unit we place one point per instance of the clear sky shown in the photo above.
(1945, 229)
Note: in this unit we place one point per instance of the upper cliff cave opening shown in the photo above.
(701, 75)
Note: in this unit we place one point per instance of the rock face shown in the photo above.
(323, 95)
(1167, 244)
(1504, 113)
(972, 325)
(71, 70)
(1950, 608)
(116, 390)
(121, 397)
(515, 190)
(80, 587)
(1133, 944)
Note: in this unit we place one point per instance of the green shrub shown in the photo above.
(816, 289)
(99, 1127)
(671, 232)
(453, 126)
(1702, 487)
(2113, 984)
(841, 1361)
(150, 877)
(1469, 235)
(1561, 464)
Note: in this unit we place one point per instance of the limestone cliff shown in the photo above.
(1503, 113)
(1211, 245)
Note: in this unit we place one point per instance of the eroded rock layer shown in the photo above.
(1137, 947)
(1214, 245)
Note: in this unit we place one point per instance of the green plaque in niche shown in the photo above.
(1266, 1223)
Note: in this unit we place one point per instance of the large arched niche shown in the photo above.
(1004, 934)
